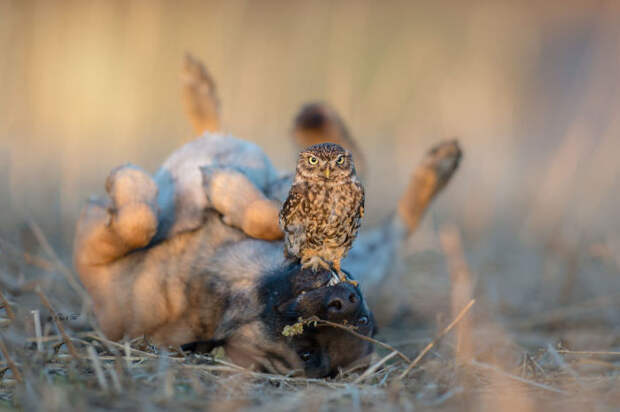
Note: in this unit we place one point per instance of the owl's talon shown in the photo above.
(315, 262)
(344, 278)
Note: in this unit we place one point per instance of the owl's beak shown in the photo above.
(327, 173)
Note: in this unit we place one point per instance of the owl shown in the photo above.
(324, 209)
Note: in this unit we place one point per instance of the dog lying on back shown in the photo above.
(191, 257)
(213, 285)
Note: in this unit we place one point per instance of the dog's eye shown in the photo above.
(306, 356)
(363, 321)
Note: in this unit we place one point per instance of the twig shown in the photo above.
(59, 325)
(462, 287)
(587, 352)
(61, 267)
(104, 357)
(516, 378)
(9, 361)
(98, 370)
(7, 307)
(562, 364)
(118, 345)
(372, 369)
(271, 377)
(37, 329)
(231, 367)
(562, 313)
(359, 335)
(428, 347)
(115, 381)
(127, 349)
(28, 257)
(51, 338)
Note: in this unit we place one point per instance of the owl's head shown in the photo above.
(327, 162)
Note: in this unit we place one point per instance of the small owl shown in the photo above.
(324, 209)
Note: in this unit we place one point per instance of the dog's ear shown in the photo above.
(305, 304)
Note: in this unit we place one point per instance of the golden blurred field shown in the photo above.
(530, 89)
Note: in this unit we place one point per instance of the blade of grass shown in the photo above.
(434, 341)
(59, 325)
(16, 373)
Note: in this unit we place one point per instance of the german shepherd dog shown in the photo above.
(192, 256)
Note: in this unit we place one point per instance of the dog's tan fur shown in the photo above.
(243, 205)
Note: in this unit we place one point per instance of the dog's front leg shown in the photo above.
(241, 203)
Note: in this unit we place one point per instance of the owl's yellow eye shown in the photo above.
(313, 160)
(340, 160)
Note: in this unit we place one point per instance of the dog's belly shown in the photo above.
(182, 199)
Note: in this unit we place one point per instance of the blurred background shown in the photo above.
(529, 88)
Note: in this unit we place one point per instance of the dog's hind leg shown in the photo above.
(372, 256)
(427, 180)
(110, 228)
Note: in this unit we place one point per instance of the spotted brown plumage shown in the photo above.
(324, 209)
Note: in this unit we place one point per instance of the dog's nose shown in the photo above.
(343, 301)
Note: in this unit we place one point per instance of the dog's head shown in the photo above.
(255, 340)
(323, 350)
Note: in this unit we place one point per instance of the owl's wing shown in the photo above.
(288, 213)
(362, 200)
(291, 222)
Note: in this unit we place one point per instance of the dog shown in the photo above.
(214, 285)
(192, 257)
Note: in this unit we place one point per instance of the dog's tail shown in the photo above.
(199, 94)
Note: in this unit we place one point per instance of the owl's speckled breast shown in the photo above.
(331, 217)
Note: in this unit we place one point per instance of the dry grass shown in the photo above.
(512, 364)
